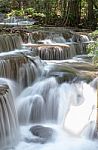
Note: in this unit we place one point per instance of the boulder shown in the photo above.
(43, 134)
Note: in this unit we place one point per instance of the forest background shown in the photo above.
(72, 13)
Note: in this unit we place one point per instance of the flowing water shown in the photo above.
(54, 44)
(19, 67)
(68, 108)
(9, 42)
(9, 125)
(44, 114)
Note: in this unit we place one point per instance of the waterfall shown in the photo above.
(80, 117)
(77, 45)
(36, 101)
(9, 127)
(30, 38)
(47, 101)
(10, 42)
(37, 111)
(57, 50)
(81, 42)
(19, 67)
(62, 105)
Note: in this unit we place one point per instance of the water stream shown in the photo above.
(44, 114)
(54, 44)
(68, 109)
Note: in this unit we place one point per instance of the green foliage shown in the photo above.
(71, 17)
(4, 6)
(52, 12)
(16, 13)
(29, 11)
(94, 35)
(93, 51)
(95, 59)
(38, 15)
(92, 48)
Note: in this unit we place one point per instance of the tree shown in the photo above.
(56, 12)
(73, 12)
(91, 14)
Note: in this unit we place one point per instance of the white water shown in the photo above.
(74, 124)
(9, 127)
(80, 116)
(61, 140)
(69, 109)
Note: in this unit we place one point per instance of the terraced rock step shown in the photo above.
(9, 42)
(57, 51)
(20, 66)
(67, 71)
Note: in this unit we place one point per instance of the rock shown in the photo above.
(41, 131)
(43, 134)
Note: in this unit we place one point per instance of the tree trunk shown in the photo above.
(91, 16)
(73, 13)
(90, 11)
(47, 11)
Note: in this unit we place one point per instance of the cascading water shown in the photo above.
(39, 96)
(76, 122)
(81, 41)
(59, 52)
(67, 109)
(10, 42)
(55, 52)
(77, 44)
(19, 67)
(9, 127)
(50, 95)
(51, 115)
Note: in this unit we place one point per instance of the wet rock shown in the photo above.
(3, 89)
(41, 131)
(9, 42)
(43, 134)
(20, 66)
(68, 71)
